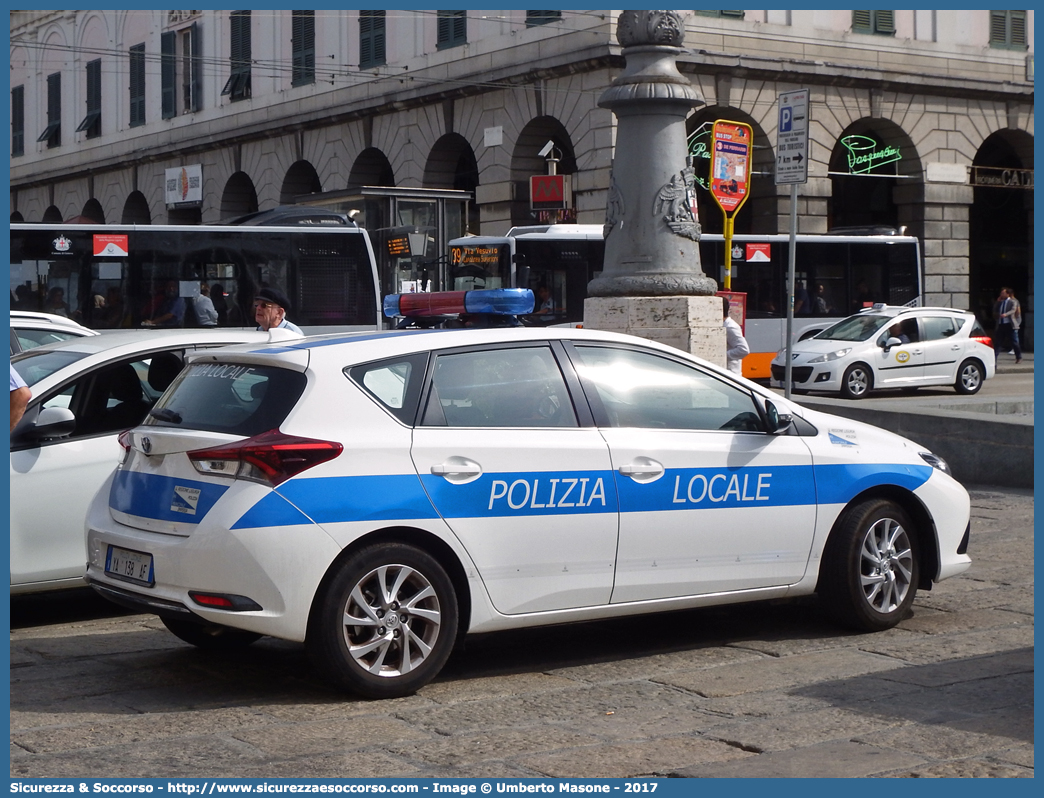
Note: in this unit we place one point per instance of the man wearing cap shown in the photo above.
(270, 308)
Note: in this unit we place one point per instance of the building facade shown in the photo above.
(918, 119)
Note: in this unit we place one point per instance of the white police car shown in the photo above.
(375, 495)
(892, 347)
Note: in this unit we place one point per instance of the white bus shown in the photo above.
(836, 275)
(109, 276)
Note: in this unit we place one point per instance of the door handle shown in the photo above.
(457, 469)
(642, 469)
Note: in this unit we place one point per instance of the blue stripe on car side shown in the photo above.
(402, 497)
(333, 499)
(838, 483)
(154, 496)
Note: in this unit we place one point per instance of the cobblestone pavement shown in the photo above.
(769, 689)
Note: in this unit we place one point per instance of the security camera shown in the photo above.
(547, 148)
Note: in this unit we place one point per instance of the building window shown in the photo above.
(302, 39)
(534, 18)
(182, 66)
(237, 87)
(191, 73)
(453, 29)
(18, 120)
(881, 22)
(53, 132)
(371, 39)
(726, 13)
(1008, 29)
(137, 85)
(91, 123)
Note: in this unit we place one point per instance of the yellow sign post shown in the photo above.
(732, 144)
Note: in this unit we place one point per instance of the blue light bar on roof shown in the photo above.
(497, 301)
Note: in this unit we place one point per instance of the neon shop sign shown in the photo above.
(865, 154)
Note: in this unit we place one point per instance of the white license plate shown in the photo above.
(134, 566)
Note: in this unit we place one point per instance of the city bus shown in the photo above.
(836, 275)
(114, 276)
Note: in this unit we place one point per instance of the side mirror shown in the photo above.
(52, 423)
(890, 342)
(774, 420)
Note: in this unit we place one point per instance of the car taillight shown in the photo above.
(983, 339)
(270, 458)
(124, 440)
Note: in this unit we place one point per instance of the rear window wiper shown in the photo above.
(166, 414)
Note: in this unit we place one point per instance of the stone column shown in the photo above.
(652, 284)
(946, 233)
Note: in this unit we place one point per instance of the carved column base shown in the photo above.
(692, 324)
(645, 285)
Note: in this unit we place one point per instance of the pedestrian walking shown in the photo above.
(736, 347)
(1009, 319)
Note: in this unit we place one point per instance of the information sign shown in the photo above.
(730, 164)
(792, 138)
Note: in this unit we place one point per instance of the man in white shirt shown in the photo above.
(736, 347)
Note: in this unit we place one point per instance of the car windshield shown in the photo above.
(854, 328)
(36, 366)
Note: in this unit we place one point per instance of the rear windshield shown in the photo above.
(229, 397)
(35, 366)
(855, 328)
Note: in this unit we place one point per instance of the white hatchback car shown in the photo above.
(30, 329)
(892, 347)
(85, 392)
(374, 495)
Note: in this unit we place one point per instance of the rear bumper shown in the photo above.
(141, 603)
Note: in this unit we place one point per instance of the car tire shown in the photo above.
(857, 382)
(210, 636)
(970, 377)
(871, 566)
(385, 655)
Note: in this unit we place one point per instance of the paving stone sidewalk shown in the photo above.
(760, 690)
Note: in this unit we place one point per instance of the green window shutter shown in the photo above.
(303, 45)
(238, 84)
(998, 27)
(1018, 28)
(194, 102)
(534, 18)
(371, 38)
(884, 22)
(52, 134)
(137, 85)
(91, 123)
(18, 120)
(452, 29)
(733, 14)
(168, 74)
(861, 21)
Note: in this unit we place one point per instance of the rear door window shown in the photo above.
(938, 327)
(502, 387)
(239, 399)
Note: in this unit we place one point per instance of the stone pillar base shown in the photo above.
(690, 323)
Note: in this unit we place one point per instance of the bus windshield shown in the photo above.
(854, 328)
